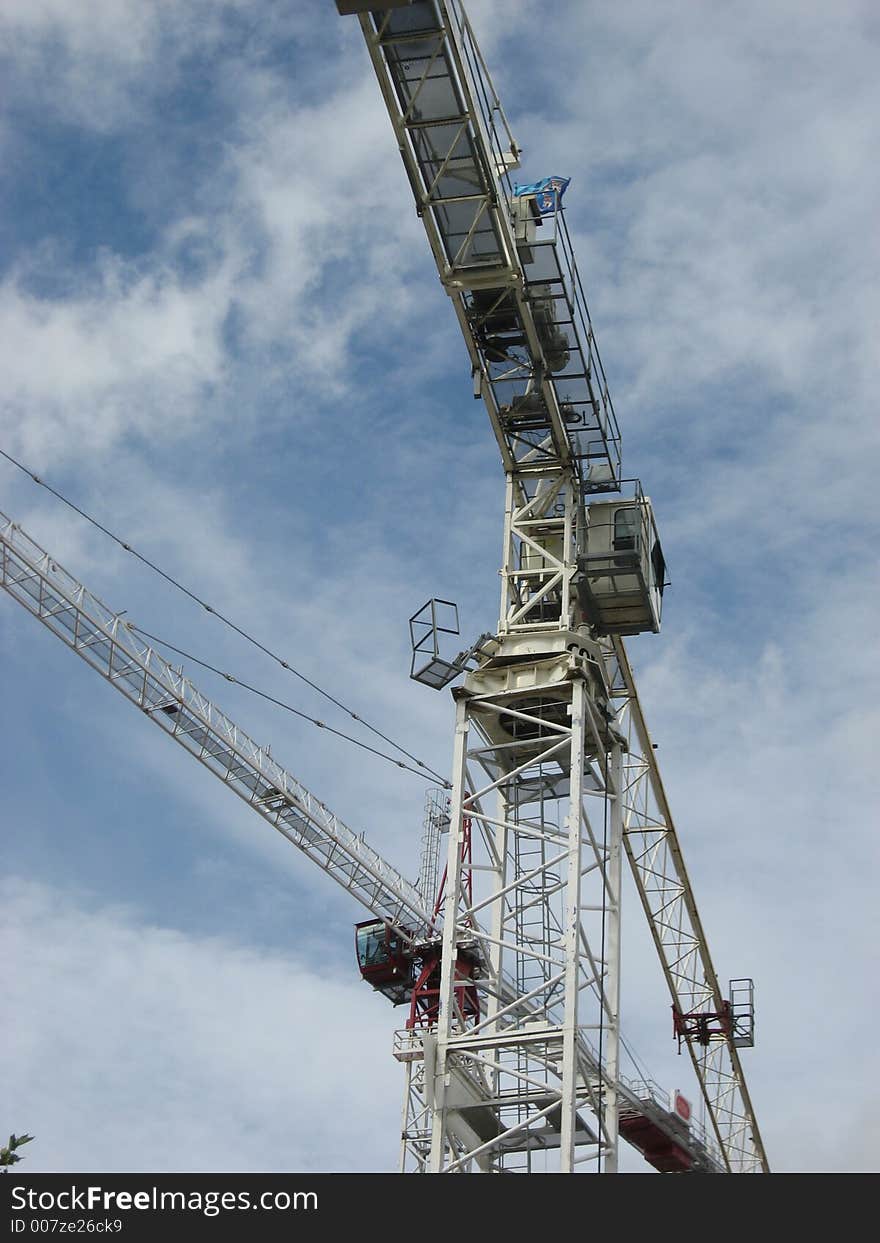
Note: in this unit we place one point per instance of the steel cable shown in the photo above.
(420, 764)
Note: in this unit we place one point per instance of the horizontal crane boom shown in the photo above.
(109, 644)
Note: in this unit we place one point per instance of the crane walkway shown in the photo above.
(646, 1122)
(105, 641)
(509, 269)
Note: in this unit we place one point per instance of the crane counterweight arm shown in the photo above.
(109, 645)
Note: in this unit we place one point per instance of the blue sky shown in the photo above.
(222, 333)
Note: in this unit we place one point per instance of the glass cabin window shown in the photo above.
(371, 947)
(626, 526)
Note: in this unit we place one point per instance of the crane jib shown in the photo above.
(504, 259)
(107, 643)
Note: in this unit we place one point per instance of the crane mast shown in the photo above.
(554, 778)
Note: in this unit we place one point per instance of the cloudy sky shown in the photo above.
(221, 332)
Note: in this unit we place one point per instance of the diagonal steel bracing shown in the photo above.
(664, 887)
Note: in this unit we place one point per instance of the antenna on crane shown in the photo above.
(434, 825)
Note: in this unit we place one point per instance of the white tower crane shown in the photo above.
(553, 773)
(109, 643)
(512, 972)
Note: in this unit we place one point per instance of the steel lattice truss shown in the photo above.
(525, 320)
(107, 643)
(520, 304)
(523, 1076)
(661, 878)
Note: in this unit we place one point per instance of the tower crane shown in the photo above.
(511, 973)
(554, 776)
(401, 946)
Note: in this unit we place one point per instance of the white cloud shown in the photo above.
(137, 345)
(254, 400)
(100, 65)
(136, 355)
(135, 1047)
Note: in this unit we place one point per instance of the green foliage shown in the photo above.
(9, 1155)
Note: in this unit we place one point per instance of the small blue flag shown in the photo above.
(548, 193)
